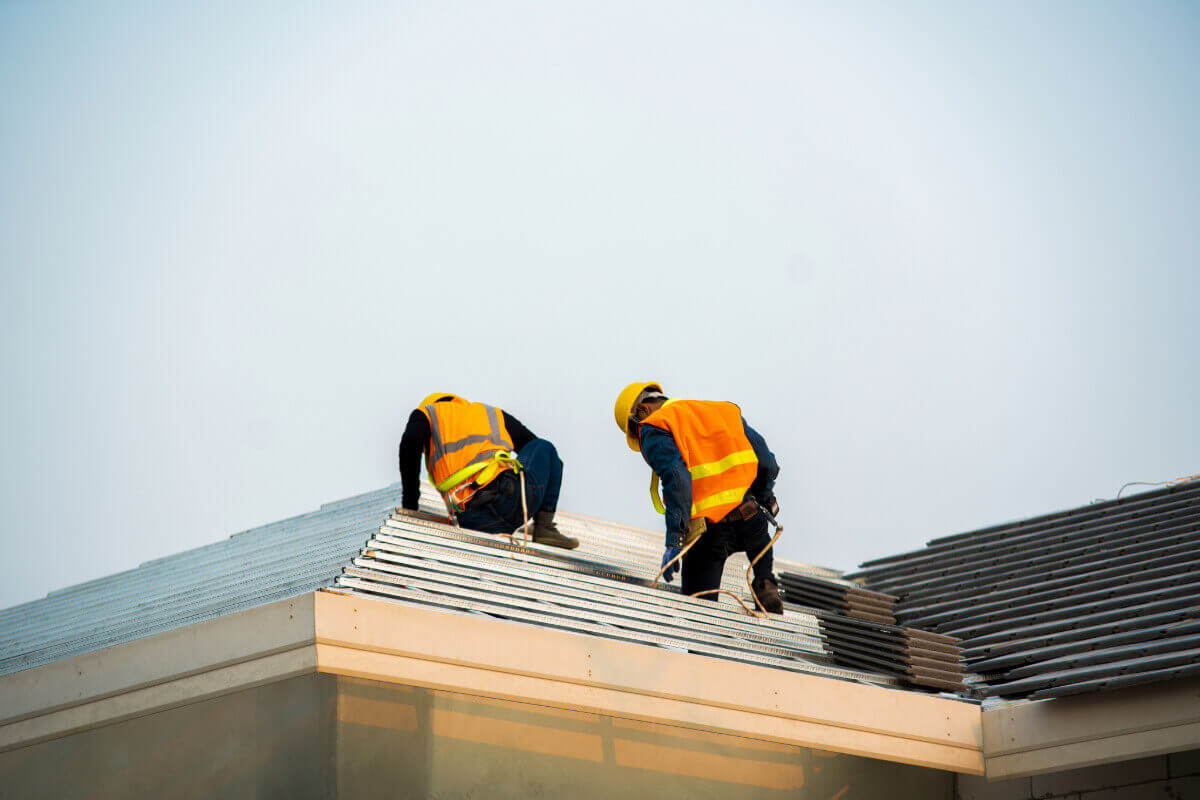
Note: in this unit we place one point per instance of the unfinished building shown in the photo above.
(356, 653)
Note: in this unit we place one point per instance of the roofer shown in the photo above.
(469, 454)
(716, 474)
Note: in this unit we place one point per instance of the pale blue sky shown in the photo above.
(944, 257)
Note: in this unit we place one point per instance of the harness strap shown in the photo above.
(654, 498)
(493, 463)
(460, 487)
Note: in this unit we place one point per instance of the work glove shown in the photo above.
(668, 555)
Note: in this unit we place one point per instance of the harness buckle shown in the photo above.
(458, 497)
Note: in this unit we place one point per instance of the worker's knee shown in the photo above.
(551, 450)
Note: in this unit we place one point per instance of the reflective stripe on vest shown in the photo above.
(734, 496)
(467, 440)
(712, 440)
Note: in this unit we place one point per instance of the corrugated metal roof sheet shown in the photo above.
(248, 569)
(1097, 597)
(359, 546)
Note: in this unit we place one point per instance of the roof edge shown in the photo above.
(324, 632)
(178, 667)
(1035, 737)
(387, 641)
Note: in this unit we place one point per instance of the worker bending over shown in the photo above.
(715, 472)
(468, 450)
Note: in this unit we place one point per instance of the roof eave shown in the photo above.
(1035, 737)
(362, 637)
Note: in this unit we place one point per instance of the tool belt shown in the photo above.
(699, 525)
(747, 510)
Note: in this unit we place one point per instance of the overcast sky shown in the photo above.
(945, 258)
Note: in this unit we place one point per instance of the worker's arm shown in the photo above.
(413, 445)
(663, 456)
(519, 434)
(763, 488)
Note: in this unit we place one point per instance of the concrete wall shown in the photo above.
(1171, 777)
(321, 737)
(271, 741)
(399, 742)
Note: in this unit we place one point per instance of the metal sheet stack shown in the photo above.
(1098, 597)
(857, 626)
(839, 596)
(602, 589)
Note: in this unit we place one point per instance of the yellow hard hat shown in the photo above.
(433, 398)
(625, 401)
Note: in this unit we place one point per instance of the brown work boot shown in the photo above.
(767, 592)
(547, 533)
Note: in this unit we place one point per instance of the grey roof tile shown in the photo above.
(1088, 599)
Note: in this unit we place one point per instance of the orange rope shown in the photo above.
(1156, 483)
(759, 611)
(734, 595)
(524, 511)
(667, 565)
(750, 569)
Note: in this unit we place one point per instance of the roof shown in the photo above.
(1095, 598)
(354, 589)
(247, 570)
(1098, 597)
(359, 546)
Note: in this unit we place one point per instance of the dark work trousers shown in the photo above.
(705, 562)
(496, 508)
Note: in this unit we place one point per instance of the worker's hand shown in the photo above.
(771, 505)
(416, 513)
(669, 555)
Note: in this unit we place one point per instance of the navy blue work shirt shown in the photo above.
(663, 456)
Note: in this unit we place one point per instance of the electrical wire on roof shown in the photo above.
(1157, 483)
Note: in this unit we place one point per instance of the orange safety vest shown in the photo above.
(712, 440)
(469, 447)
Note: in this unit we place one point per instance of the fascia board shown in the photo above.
(1032, 738)
(375, 639)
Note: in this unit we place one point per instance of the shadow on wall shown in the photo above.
(318, 736)
(447, 745)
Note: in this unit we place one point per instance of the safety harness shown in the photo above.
(494, 457)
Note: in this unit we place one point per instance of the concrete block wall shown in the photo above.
(1170, 777)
